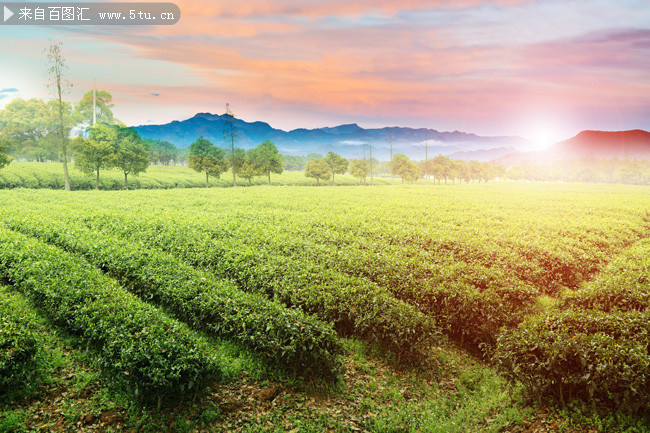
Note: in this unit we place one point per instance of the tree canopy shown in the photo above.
(131, 154)
(207, 158)
(103, 102)
(336, 163)
(318, 169)
(359, 168)
(267, 157)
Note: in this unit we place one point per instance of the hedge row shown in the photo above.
(596, 345)
(142, 348)
(470, 301)
(20, 343)
(288, 336)
(355, 306)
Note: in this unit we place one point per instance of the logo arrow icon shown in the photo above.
(8, 14)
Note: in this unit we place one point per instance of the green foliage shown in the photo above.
(97, 152)
(207, 158)
(318, 169)
(294, 162)
(103, 102)
(402, 166)
(19, 343)
(131, 154)
(4, 158)
(27, 129)
(162, 152)
(337, 164)
(143, 349)
(594, 346)
(267, 157)
(289, 337)
(353, 305)
(359, 168)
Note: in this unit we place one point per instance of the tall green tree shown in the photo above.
(359, 168)
(230, 133)
(268, 158)
(249, 168)
(337, 164)
(4, 158)
(103, 102)
(161, 151)
(26, 129)
(207, 158)
(56, 67)
(131, 154)
(318, 169)
(405, 168)
(97, 152)
(294, 162)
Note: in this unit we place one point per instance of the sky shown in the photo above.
(541, 69)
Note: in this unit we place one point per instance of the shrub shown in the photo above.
(142, 348)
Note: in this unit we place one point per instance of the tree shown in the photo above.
(27, 129)
(236, 160)
(268, 158)
(97, 152)
(56, 67)
(230, 134)
(4, 158)
(318, 169)
(293, 162)
(131, 154)
(337, 164)
(103, 102)
(208, 158)
(359, 168)
(249, 168)
(161, 151)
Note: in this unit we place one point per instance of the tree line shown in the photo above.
(438, 169)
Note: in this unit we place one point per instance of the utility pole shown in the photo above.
(370, 145)
(426, 157)
(390, 163)
(94, 102)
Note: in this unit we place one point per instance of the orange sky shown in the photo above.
(527, 67)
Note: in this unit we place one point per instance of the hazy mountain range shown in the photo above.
(351, 141)
(634, 144)
(348, 140)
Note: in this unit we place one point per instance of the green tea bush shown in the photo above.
(139, 346)
(355, 306)
(596, 345)
(19, 342)
(288, 336)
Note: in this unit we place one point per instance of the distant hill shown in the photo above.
(348, 140)
(634, 144)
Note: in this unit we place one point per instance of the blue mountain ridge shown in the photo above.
(348, 140)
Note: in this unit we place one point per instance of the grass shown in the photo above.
(49, 175)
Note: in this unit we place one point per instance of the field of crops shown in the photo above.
(50, 175)
(548, 284)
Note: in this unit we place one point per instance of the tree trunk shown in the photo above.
(269, 173)
(317, 182)
(207, 185)
(97, 181)
(332, 179)
(249, 182)
(234, 179)
(65, 170)
(126, 180)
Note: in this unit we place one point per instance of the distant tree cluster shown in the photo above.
(440, 168)
(111, 146)
(205, 157)
(588, 169)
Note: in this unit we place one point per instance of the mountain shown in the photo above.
(348, 140)
(634, 144)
